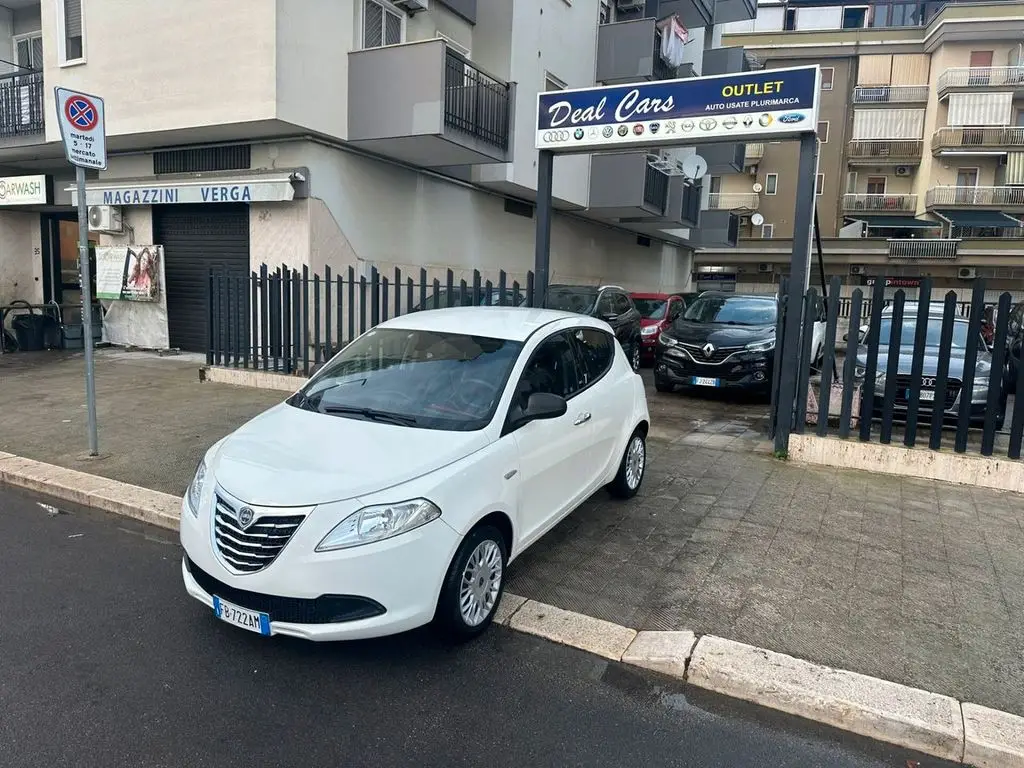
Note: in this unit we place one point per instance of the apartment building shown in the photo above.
(351, 133)
(921, 161)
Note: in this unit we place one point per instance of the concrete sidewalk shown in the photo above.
(915, 582)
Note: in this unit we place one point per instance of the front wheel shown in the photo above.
(631, 469)
(474, 585)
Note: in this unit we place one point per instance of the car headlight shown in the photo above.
(649, 330)
(379, 522)
(761, 346)
(667, 341)
(195, 489)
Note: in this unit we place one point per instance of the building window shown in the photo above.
(771, 184)
(382, 25)
(851, 182)
(767, 231)
(28, 51)
(72, 39)
(552, 83)
(823, 131)
(790, 23)
(876, 185)
(855, 17)
(819, 183)
(828, 74)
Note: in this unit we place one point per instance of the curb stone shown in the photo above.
(906, 717)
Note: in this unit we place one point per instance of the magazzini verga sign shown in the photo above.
(747, 106)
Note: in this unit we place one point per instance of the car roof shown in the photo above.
(583, 287)
(731, 295)
(512, 323)
(650, 295)
(935, 309)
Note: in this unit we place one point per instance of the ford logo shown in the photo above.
(792, 117)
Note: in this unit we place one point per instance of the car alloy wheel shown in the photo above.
(636, 459)
(474, 584)
(481, 583)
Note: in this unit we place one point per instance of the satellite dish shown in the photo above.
(694, 167)
(757, 219)
(757, 187)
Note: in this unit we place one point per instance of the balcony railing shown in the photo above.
(886, 151)
(998, 137)
(661, 69)
(753, 153)
(920, 248)
(1004, 197)
(733, 201)
(981, 77)
(21, 105)
(474, 102)
(880, 203)
(890, 94)
(655, 187)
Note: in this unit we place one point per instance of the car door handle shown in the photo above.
(583, 418)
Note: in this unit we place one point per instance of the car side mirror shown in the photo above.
(541, 406)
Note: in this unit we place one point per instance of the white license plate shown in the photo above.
(703, 381)
(928, 394)
(254, 621)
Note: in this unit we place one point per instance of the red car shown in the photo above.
(657, 311)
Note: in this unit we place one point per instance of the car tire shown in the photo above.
(631, 469)
(663, 386)
(475, 577)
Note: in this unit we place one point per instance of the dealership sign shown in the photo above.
(23, 190)
(747, 106)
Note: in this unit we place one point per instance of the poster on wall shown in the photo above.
(128, 272)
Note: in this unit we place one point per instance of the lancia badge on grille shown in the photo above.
(245, 517)
(708, 349)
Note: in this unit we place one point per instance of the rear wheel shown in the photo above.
(474, 585)
(631, 469)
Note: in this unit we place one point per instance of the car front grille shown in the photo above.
(326, 609)
(252, 548)
(719, 356)
(953, 387)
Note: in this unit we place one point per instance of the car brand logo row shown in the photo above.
(667, 127)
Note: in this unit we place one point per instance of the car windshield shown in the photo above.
(424, 379)
(579, 300)
(933, 335)
(461, 298)
(651, 309)
(733, 310)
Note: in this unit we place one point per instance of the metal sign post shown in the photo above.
(83, 131)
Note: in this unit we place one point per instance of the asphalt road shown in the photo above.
(105, 662)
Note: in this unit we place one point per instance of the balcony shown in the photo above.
(753, 154)
(425, 104)
(890, 94)
(628, 51)
(885, 152)
(862, 203)
(718, 229)
(724, 158)
(625, 185)
(682, 207)
(919, 248)
(971, 78)
(693, 13)
(727, 11)
(965, 141)
(21, 106)
(984, 197)
(733, 201)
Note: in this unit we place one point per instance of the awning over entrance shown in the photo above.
(897, 222)
(262, 188)
(987, 219)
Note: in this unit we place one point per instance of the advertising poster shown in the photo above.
(128, 272)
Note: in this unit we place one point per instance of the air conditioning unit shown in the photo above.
(105, 218)
(902, 170)
(765, 268)
(630, 5)
(413, 6)
(967, 273)
(856, 269)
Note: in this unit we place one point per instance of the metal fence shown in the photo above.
(933, 368)
(474, 102)
(289, 320)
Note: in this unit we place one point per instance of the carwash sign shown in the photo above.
(768, 104)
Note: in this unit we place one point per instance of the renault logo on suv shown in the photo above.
(708, 349)
(551, 137)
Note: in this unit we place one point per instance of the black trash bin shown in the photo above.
(30, 331)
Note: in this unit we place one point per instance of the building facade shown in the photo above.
(360, 133)
(921, 154)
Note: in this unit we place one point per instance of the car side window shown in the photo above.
(622, 304)
(552, 368)
(596, 352)
(606, 305)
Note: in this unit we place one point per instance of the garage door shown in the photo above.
(196, 238)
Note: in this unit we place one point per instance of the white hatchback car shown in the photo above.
(394, 488)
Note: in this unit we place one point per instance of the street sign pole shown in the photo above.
(83, 131)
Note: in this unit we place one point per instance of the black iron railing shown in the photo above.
(474, 102)
(655, 187)
(690, 214)
(21, 104)
(288, 320)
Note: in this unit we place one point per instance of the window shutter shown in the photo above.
(910, 68)
(392, 28)
(373, 24)
(975, 109)
(24, 54)
(72, 18)
(886, 124)
(874, 69)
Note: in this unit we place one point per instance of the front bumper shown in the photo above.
(370, 591)
(649, 347)
(747, 370)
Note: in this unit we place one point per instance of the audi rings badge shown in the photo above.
(555, 137)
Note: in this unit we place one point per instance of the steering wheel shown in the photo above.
(393, 397)
(470, 393)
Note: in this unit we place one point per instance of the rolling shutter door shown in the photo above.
(196, 238)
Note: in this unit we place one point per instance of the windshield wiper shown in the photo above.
(370, 413)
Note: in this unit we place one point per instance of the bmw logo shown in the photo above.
(638, 129)
(578, 134)
(607, 131)
(623, 130)
(245, 517)
(655, 127)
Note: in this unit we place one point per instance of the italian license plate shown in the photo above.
(254, 621)
(703, 381)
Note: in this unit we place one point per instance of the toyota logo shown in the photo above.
(552, 137)
(245, 517)
(708, 349)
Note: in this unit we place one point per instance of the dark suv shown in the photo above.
(606, 302)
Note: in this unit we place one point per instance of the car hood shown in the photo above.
(292, 457)
(647, 321)
(931, 363)
(718, 334)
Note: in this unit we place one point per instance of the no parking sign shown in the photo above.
(82, 128)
